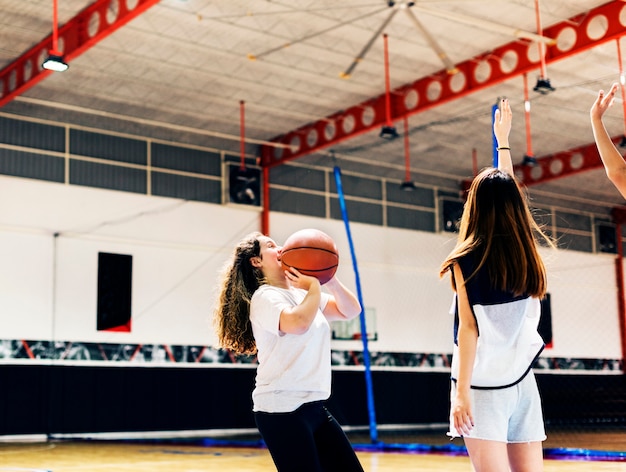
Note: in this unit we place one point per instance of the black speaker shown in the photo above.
(115, 279)
(607, 241)
(244, 185)
(452, 211)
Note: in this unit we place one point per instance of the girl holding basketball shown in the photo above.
(283, 316)
(499, 279)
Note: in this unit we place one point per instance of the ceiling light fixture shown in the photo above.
(55, 61)
(530, 161)
(543, 86)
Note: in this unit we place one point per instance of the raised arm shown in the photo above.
(611, 158)
(501, 130)
(344, 304)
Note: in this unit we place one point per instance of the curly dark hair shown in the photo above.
(240, 279)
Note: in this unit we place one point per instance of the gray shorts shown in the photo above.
(511, 415)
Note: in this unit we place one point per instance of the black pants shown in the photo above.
(308, 439)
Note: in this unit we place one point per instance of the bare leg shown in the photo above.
(526, 457)
(487, 456)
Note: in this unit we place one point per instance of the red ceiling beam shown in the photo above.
(83, 31)
(557, 165)
(560, 164)
(579, 33)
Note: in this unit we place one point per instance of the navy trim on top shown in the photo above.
(513, 383)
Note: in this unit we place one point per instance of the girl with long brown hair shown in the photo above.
(499, 279)
(283, 317)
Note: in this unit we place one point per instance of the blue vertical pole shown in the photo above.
(493, 135)
(366, 353)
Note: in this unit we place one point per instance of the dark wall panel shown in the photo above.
(115, 290)
(360, 212)
(358, 187)
(107, 176)
(573, 221)
(298, 203)
(187, 188)
(32, 166)
(292, 176)
(574, 242)
(185, 159)
(419, 196)
(105, 146)
(86, 399)
(410, 219)
(24, 399)
(33, 135)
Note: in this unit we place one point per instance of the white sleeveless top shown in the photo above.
(508, 340)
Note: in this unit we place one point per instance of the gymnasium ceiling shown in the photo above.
(188, 64)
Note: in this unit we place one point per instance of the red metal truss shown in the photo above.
(83, 31)
(560, 164)
(557, 165)
(579, 33)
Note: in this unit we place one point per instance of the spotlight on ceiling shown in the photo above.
(543, 86)
(407, 186)
(389, 132)
(55, 63)
(529, 161)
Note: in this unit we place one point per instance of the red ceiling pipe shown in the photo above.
(474, 162)
(529, 143)
(540, 44)
(407, 156)
(265, 214)
(242, 142)
(387, 83)
(55, 33)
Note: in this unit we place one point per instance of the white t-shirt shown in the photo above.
(293, 368)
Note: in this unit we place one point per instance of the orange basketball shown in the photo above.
(312, 252)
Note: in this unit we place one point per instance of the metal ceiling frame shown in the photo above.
(557, 165)
(575, 35)
(90, 26)
(560, 164)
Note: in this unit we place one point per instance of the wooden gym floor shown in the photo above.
(134, 456)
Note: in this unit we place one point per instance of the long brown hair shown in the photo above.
(240, 279)
(497, 227)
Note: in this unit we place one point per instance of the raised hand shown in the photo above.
(603, 102)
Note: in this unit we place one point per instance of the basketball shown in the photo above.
(311, 252)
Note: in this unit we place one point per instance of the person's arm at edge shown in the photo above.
(613, 161)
